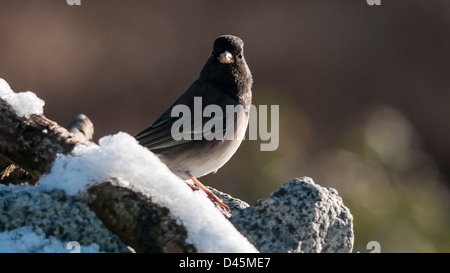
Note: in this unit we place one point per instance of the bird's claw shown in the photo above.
(219, 202)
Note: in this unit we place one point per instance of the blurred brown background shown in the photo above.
(363, 92)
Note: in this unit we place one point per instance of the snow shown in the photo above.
(23, 103)
(29, 240)
(120, 156)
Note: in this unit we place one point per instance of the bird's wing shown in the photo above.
(158, 137)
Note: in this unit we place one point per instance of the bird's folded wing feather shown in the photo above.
(158, 137)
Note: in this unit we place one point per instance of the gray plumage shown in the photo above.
(224, 80)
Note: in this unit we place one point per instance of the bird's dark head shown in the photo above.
(228, 49)
(227, 66)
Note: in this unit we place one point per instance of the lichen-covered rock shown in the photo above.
(301, 216)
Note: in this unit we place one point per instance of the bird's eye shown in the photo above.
(240, 56)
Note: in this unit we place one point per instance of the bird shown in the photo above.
(225, 79)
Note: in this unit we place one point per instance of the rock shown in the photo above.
(141, 223)
(298, 217)
(301, 216)
(236, 205)
(56, 214)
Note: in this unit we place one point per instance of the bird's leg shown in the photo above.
(192, 186)
(210, 195)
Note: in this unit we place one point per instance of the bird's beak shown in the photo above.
(226, 58)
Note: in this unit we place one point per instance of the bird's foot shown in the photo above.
(193, 186)
(218, 201)
(209, 193)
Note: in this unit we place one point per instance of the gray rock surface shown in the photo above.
(301, 216)
(236, 205)
(298, 217)
(57, 215)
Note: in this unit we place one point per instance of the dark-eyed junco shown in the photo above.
(224, 80)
